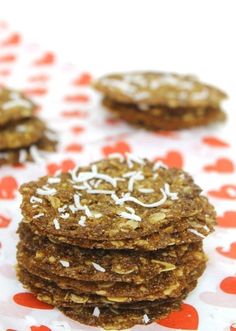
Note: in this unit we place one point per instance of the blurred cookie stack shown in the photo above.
(157, 100)
(22, 134)
(113, 244)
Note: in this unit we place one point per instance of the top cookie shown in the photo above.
(157, 88)
(14, 106)
(113, 199)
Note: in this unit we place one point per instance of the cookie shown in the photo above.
(34, 153)
(21, 134)
(14, 106)
(114, 199)
(157, 88)
(162, 117)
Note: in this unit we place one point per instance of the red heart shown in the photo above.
(231, 253)
(172, 134)
(77, 129)
(228, 285)
(29, 300)
(225, 192)
(233, 327)
(40, 78)
(74, 148)
(7, 58)
(37, 91)
(185, 319)
(112, 121)
(214, 142)
(64, 166)
(172, 159)
(5, 72)
(119, 147)
(46, 59)
(77, 98)
(8, 187)
(13, 39)
(228, 220)
(11, 330)
(40, 328)
(221, 165)
(84, 79)
(4, 221)
(74, 113)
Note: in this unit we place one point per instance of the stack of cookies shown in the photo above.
(115, 243)
(158, 100)
(21, 133)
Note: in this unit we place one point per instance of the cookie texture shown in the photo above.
(23, 136)
(157, 100)
(115, 243)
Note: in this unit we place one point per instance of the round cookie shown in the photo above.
(158, 88)
(14, 106)
(113, 200)
(21, 134)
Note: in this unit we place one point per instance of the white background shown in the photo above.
(189, 36)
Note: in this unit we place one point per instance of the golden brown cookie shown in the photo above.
(33, 153)
(14, 106)
(162, 117)
(21, 134)
(158, 88)
(114, 199)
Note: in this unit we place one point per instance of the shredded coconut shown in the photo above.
(100, 192)
(34, 199)
(16, 103)
(196, 233)
(65, 216)
(158, 165)
(56, 224)
(96, 312)
(98, 267)
(46, 191)
(62, 209)
(82, 221)
(172, 195)
(38, 215)
(146, 190)
(146, 319)
(137, 176)
(133, 158)
(64, 263)
(22, 155)
(35, 154)
(54, 180)
(129, 216)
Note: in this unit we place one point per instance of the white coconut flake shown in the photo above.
(171, 195)
(22, 155)
(196, 233)
(146, 190)
(35, 154)
(146, 319)
(62, 209)
(80, 187)
(98, 267)
(85, 176)
(73, 173)
(96, 312)
(65, 216)
(16, 103)
(131, 158)
(158, 165)
(127, 197)
(131, 210)
(38, 215)
(87, 211)
(141, 95)
(46, 191)
(137, 176)
(97, 215)
(51, 135)
(34, 199)
(56, 224)
(54, 180)
(116, 156)
(64, 263)
(82, 221)
(129, 216)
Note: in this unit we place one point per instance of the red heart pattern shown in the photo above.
(78, 129)
(4, 221)
(8, 187)
(74, 148)
(230, 253)
(121, 147)
(225, 192)
(8, 58)
(12, 40)
(46, 59)
(233, 327)
(74, 113)
(83, 79)
(172, 159)
(221, 165)
(29, 300)
(77, 98)
(228, 220)
(64, 166)
(40, 328)
(185, 319)
(228, 285)
(214, 142)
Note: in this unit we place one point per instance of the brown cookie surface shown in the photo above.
(158, 88)
(14, 106)
(21, 134)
